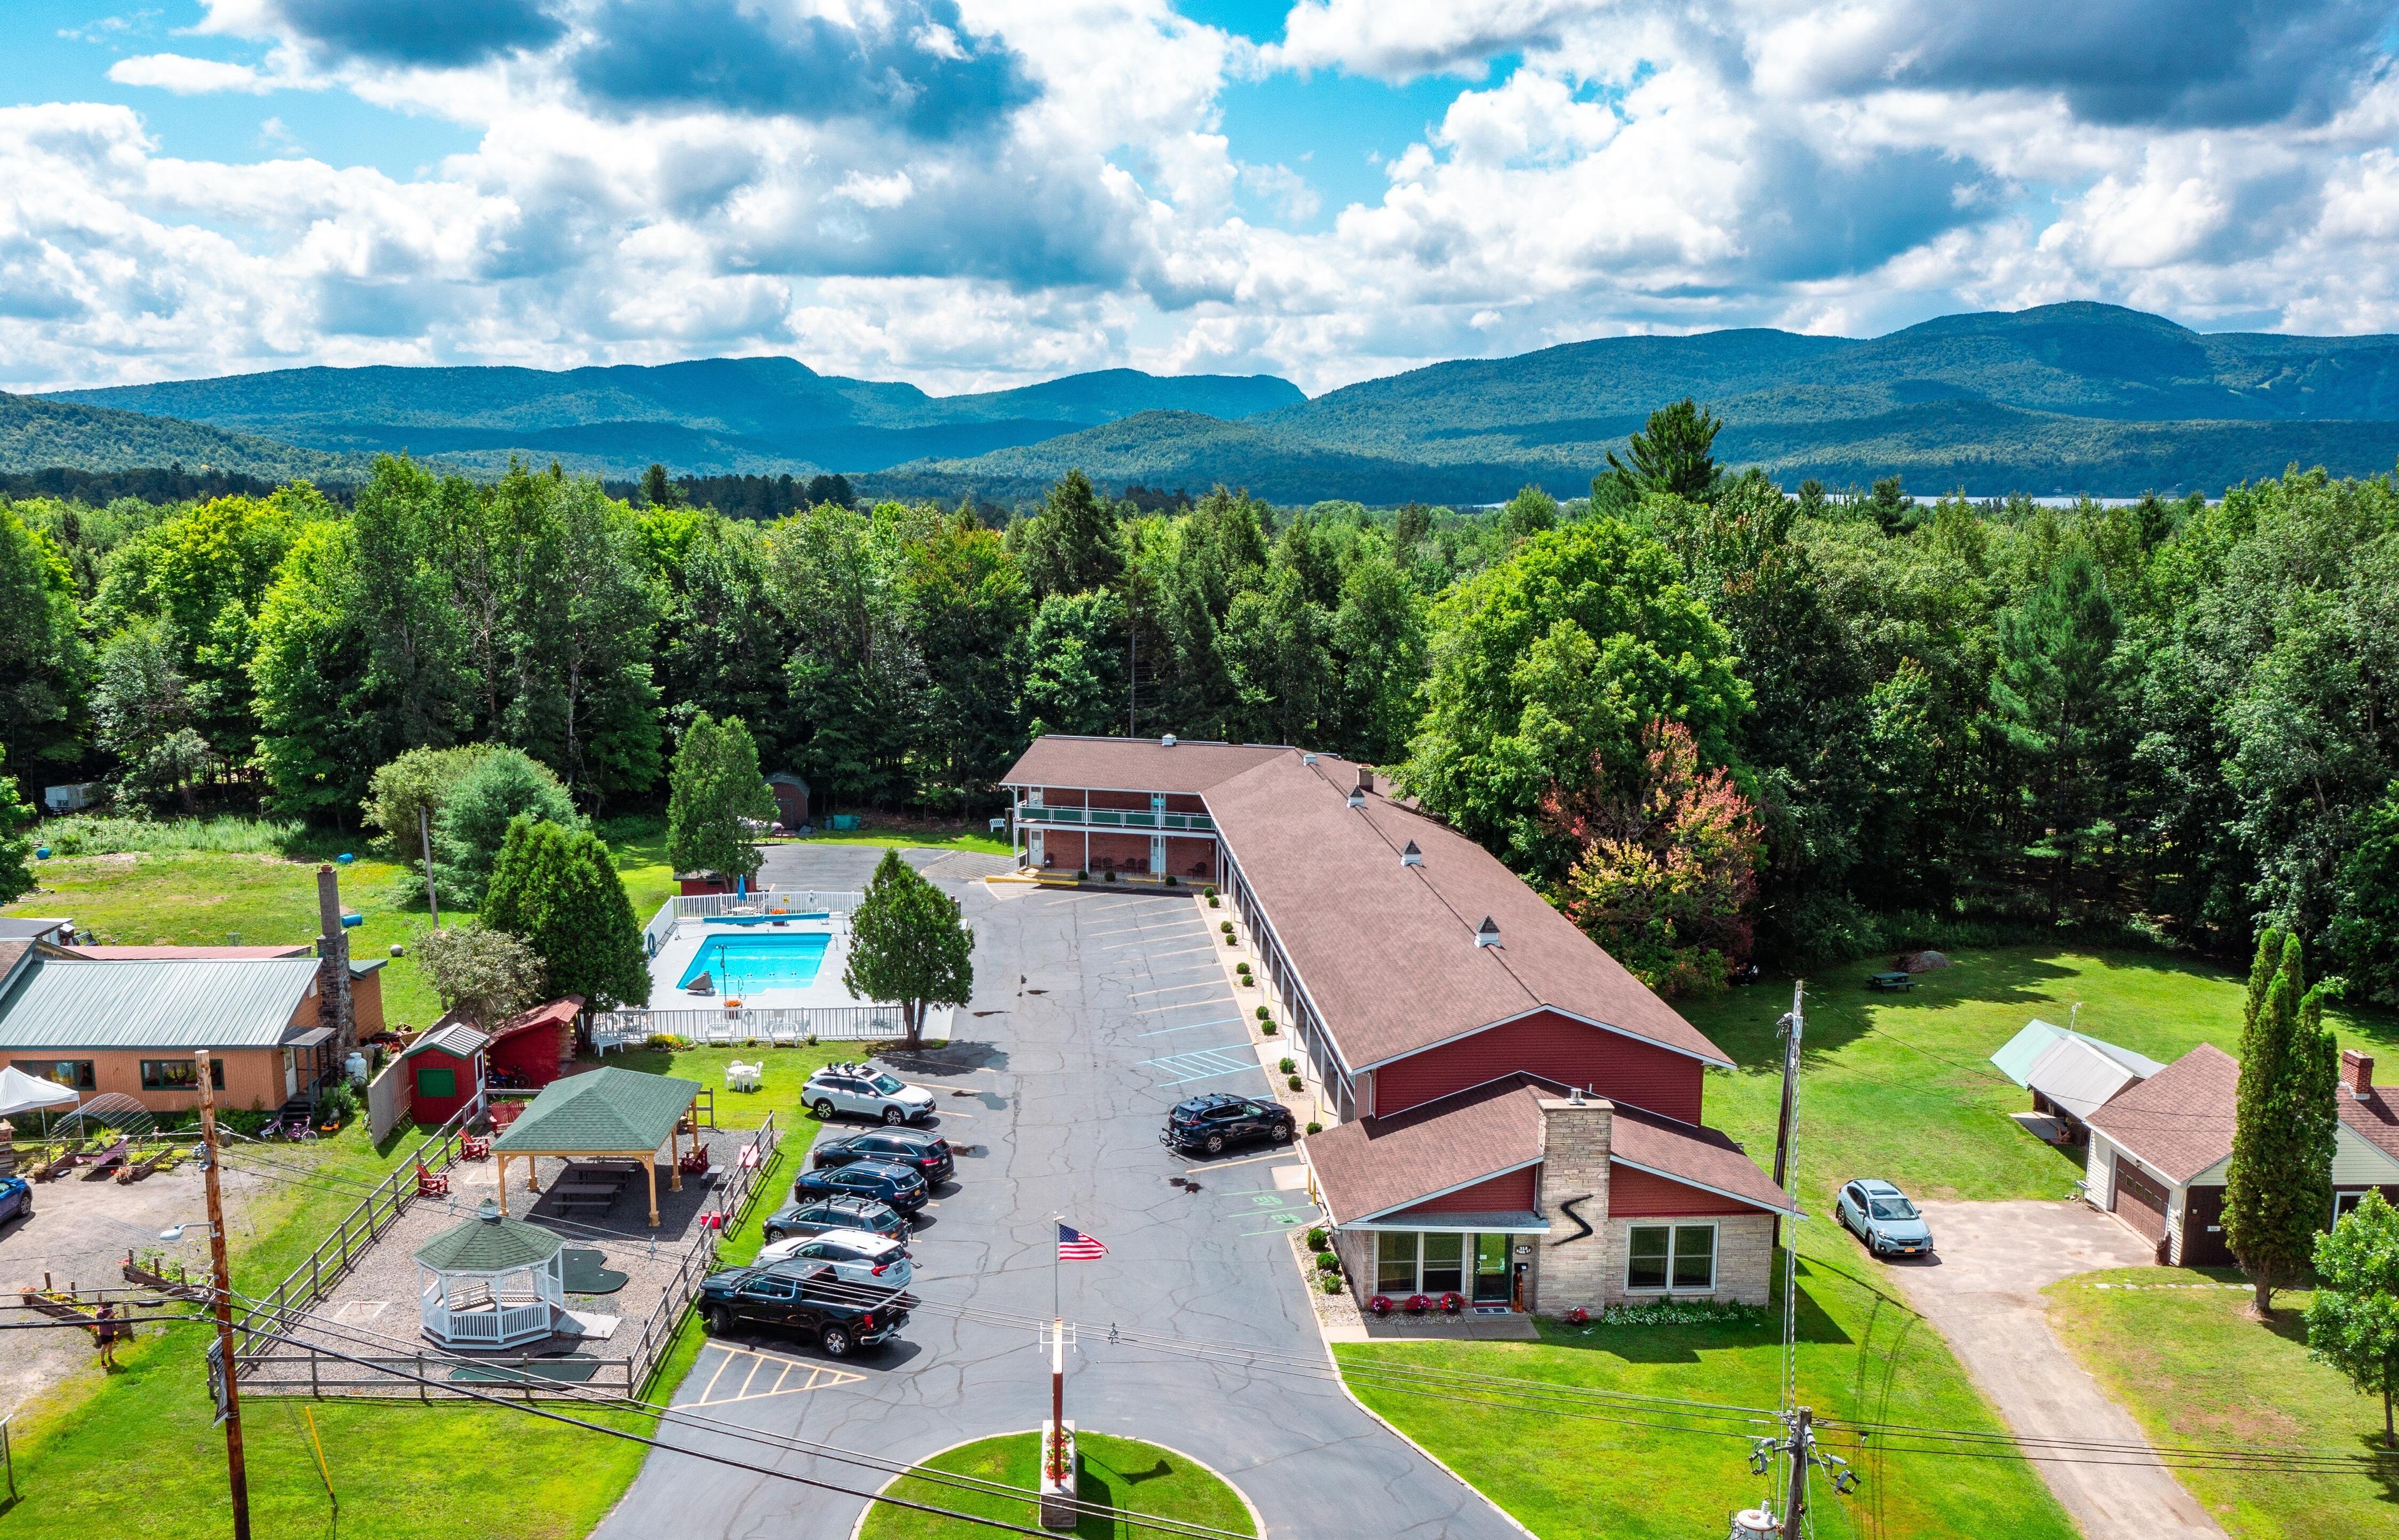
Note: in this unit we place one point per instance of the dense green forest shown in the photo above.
(1714, 721)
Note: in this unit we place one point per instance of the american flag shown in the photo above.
(1075, 1246)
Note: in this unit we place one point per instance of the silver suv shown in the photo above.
(861, 1090)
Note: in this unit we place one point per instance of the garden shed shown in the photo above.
(531, 1049)
(491, 1281)
(445, 1070)
(790, 798)
(602, 1114)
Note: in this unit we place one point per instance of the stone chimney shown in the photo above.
(1569, 1267)
(2357, 1071)
(334, 974)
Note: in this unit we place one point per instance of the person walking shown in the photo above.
(108, 1332)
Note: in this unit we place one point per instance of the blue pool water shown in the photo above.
(756, 960)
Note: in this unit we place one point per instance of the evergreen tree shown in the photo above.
(16, 843)
(908, 946)
(2354, 1319)
(501, 787)
(2278, 1188)
(1674, 454)
(2055, 700)
(716, 785)
(560, 891)
(1073, 545)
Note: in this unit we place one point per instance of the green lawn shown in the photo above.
(1861, 1354)
(963, 837)
(205, 897)
(1900, 1086)
(2195, 1369)
(1120, 1473)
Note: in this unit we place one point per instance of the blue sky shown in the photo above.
(980, 192)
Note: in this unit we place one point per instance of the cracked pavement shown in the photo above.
(1079, 997)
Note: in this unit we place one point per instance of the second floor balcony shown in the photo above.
(1118, 818)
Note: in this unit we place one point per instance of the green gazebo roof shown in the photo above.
(489, 1243)
(601, 1112)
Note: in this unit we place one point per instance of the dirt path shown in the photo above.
(1983, 1291)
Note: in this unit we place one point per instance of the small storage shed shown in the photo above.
(491, 1281)
(790, 798)
(693, 885)
(2071, 1075)
(530, 1049)
(445, 1070)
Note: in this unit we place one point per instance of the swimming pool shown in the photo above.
(743, 963)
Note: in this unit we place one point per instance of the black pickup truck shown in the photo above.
(804, 1298)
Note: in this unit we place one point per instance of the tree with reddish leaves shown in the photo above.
(1666, 876)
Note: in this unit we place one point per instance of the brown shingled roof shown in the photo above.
(1387, 950)
(1376, 1165)
(2179, 1120)
(1133, 765)
(1693, 1154)
(2374, 1117)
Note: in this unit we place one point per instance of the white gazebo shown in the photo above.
(491, 1281)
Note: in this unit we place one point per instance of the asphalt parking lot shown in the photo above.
(1094, 1012)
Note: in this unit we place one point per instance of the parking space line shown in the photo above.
(1169, 989)
(1165, 956)
(1221, 1021)
(1194, 1053)
(1217, 1074)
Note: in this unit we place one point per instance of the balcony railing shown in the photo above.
(1117, 817)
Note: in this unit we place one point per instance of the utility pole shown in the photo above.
(221, 1279)
(1803, 1450)
(334, 947)
(425, 839)
(1791, 1025)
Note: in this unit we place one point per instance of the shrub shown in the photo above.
(1082, 874)
(1268, 1028)
(1109, 875)
(1224, 925)
(1287, 1065)
(1317, 1238)
(1229, 941)
(1327, 1263)
(665, 1042)
(1211, 895)
(1262, 1013)
(812, 1039)
(1296, 1084)
(1314, 1127)
(1332, 1283)
(341, 1102)
(1173, 880)
(1242, 968)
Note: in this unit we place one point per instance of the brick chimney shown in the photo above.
(1571, 1268)
(333, 946)
(2356, 1071)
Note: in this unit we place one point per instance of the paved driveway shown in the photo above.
(1983, 1291)
(1093, 1013)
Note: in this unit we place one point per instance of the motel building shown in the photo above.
(1520, 1118)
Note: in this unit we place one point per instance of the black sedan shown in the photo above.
(895, 1185)
(815, 1216)
(801, 1298)
(1209, 1124)
(928, 1154)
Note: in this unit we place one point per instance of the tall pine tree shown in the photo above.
(715, 787)
(2278, 1189)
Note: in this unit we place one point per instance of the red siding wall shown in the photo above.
(1621, 1069)
(1507, 1194)
(1637, 1195)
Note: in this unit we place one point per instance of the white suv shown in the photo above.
(856, 1257)
(866, 1091)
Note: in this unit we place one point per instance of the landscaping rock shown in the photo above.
(1924, 962)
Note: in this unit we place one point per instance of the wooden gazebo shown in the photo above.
(604, 1114)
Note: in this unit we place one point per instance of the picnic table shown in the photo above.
(1890, 980)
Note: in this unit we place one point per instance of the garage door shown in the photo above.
(2141, 1201)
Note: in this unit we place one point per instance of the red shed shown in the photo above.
(445, 1071)
(531, 1049)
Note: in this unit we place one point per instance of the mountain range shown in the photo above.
(2065, 397)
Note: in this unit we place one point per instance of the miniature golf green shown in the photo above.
(584, 1274)
(1123, 1474)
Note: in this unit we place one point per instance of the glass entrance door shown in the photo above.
(1491, 1270)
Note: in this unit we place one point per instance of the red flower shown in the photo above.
(1451, 1304)
(1418, 1305)
(1380, 1305)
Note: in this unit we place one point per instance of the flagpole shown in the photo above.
(1056, 1453)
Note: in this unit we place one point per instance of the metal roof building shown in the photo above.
(155, 1003)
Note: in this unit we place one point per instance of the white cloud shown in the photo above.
(1643, 168)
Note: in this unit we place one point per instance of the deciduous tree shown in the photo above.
(2353, 1318)
(718, 795)
(16, 842)
(484, 975)
(908, 946)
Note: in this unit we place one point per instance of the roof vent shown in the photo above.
(1357, 796)
(1411, 855)
(1308, 759)
(1574, 1094)
(1167, 742)
(1488, 933)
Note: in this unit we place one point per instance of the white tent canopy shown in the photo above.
(21, 1092)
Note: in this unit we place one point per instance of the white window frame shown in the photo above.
(2344, 1201)
(1672, 1228)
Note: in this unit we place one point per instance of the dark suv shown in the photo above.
(1208, 1123)
(896, 1185)
(815, 1216)
(803, 1299)
(928, 1154)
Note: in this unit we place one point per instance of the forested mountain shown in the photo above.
(711, 416)
(2066, 398)
(37, 435)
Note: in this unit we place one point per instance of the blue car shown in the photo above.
(16, 1198)
(896, 1186)
(1880, 1215)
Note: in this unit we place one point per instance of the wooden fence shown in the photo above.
(294, 1368)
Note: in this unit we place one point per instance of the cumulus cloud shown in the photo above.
(973, 193)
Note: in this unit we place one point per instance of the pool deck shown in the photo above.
(667, 968)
